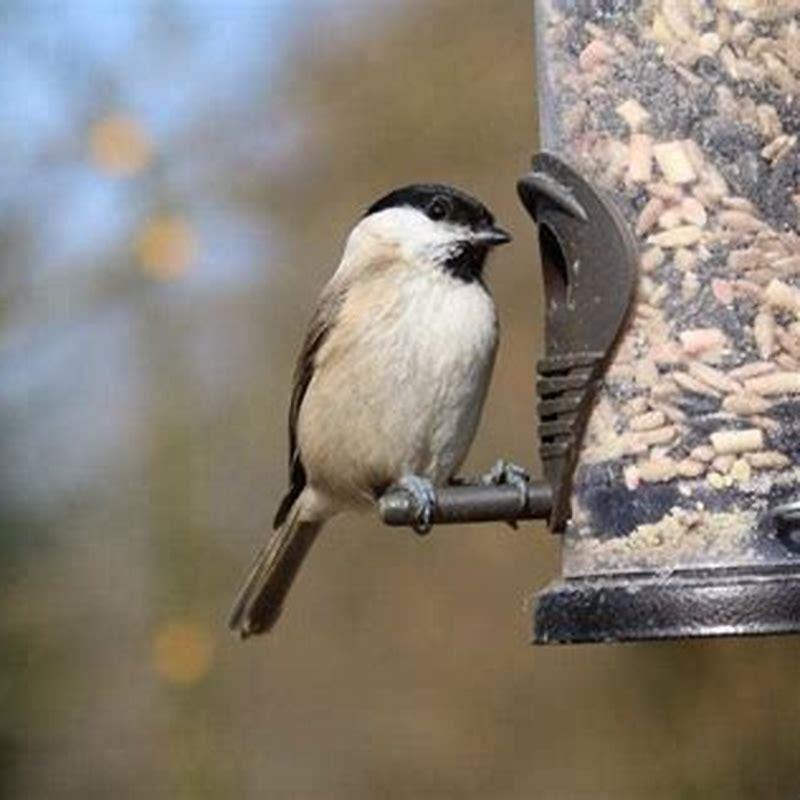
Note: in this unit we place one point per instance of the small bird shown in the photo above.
(391, 377)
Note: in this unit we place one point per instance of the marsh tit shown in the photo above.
(391, 378)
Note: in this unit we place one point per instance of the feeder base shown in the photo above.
(685, 604)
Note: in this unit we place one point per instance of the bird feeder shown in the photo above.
(668, 211)
(682, 517)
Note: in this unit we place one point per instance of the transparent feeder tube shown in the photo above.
(687, 114)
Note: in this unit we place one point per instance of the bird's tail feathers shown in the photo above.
(261, 598)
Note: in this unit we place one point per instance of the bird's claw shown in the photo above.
(423, 495)
(506, 473)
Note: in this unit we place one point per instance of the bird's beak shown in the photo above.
(491, 237)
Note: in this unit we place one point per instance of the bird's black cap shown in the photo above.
(438, 201)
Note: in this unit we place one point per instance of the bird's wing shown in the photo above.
(321, 323)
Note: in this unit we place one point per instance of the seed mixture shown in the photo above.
(687, 112)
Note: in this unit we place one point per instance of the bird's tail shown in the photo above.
(260, 599)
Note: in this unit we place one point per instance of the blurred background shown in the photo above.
(176, 182)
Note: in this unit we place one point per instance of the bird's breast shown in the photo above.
(400, 382)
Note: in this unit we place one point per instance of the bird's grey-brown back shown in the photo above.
(392, 376)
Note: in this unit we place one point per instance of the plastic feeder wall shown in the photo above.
(687, 115)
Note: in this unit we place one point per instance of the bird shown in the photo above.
(391, 377)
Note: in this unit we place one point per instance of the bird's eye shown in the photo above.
(439, 208)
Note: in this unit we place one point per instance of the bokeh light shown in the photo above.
(183, 652)
(166, 246)
(119, 145)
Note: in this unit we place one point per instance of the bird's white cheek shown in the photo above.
(407, 232)
(434, 244)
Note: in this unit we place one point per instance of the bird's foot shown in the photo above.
(506, 473)
(423, 495)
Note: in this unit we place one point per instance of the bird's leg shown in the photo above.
(423, 494)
